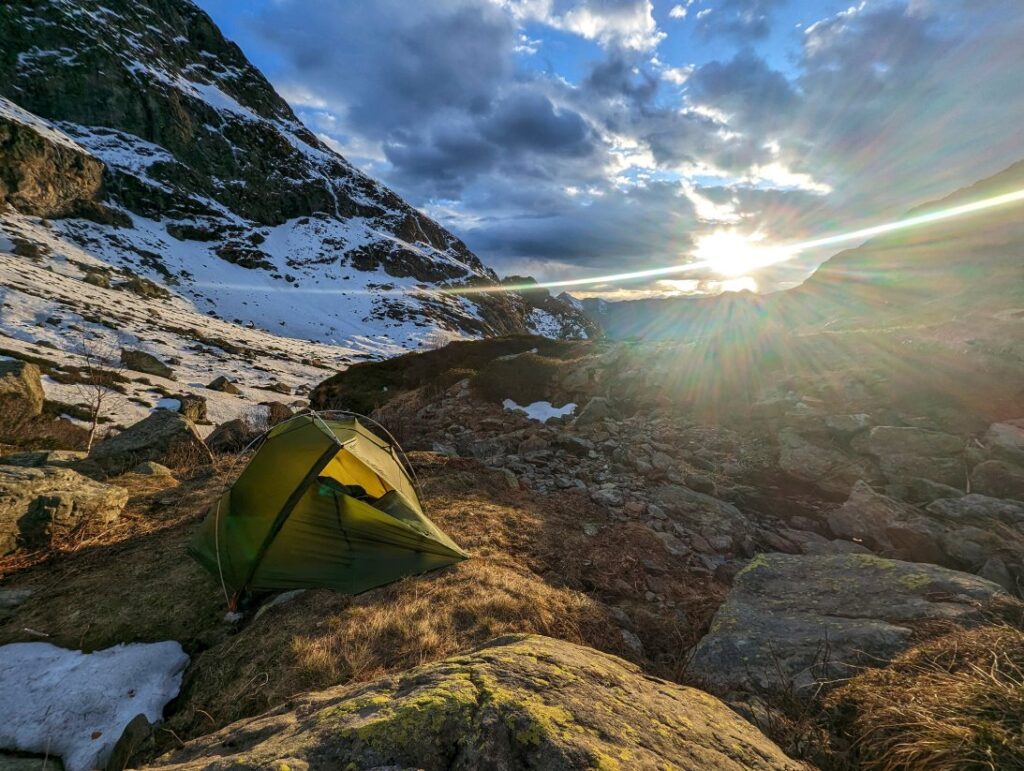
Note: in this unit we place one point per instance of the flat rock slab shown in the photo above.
(799, 619)
(520, 701)
(37, 504)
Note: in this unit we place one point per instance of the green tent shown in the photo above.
(323, 502)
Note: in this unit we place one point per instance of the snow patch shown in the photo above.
(77, 705)
(167, 403)
(542, 411)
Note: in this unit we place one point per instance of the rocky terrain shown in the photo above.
(782, 532)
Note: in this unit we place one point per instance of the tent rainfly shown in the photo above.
(323, 502)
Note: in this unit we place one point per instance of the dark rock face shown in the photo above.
(216, 155)
(42, 172)
(517, 702)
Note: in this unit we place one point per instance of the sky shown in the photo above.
(572, 138)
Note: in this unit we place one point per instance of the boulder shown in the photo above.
(151, 468)
(10, 600)
(907, 440)
(38, 504)
(232, 436)
(63, 458)
(794, 621)
(164, 436)
(826, 467)
(1005, 441)
(192, 406)
(845, 427)
(277, 412)
(520, 701)
(21, 390)
(998, 479)
(906, 453)
(223, 385)
(140, 361)
(715, 520)
(974, 508)
(887, 526)
(596, 409)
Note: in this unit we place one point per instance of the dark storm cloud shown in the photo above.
(746, 88)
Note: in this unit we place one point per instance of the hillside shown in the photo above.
(141, 146)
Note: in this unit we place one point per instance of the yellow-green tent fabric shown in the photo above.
(323, 502)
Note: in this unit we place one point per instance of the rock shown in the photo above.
(278, 387)
(10, 600)
(277, 412)
(38, 504)
(973, 508)
(1005, 441)
(163, 436)
(712, 518)
(140, 361)
(232, 436)
(607, 496)
(826, 467)
(906, 452)
(193, 406)
(886, 525)
(517, 702)
(138, 734)
(153, 469)
(532, 445)
(845, 427)
(796, 620)
(919, 490)
(21, 390)
(42, 172)
(995, 570)
(597, 409)
(881, 441)
(998, 479)
(223, 385)
(701, 483)
(632, 642)
(9, 762)
(61, 458)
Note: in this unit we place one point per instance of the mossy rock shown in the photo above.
(520, 701)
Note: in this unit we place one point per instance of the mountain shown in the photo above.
(953, 269)
(211, 187)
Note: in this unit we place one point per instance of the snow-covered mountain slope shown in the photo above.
(215, 190)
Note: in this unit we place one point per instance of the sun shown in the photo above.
(731, 253)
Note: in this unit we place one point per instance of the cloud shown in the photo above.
(620, 159)
(627, 24)
(741, 20)
(679, 11)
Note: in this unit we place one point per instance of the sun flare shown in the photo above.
(731, 253)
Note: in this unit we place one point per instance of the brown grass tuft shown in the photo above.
(956, 702)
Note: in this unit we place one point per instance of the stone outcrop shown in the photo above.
(799, 620)
(21, 390)
(42, 171)
(906, 453)
(517, 702)
(39, 504)
(165, 436)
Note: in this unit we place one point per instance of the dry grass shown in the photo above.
(956, 702)
(324, 638)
